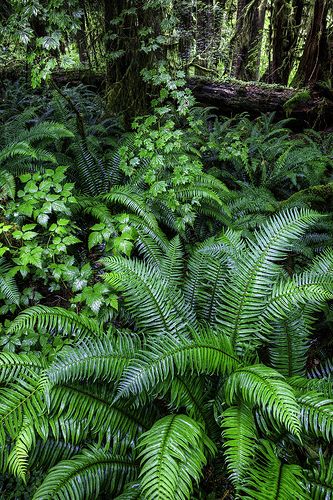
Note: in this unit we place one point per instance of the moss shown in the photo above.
(242, 83)
(299, 97)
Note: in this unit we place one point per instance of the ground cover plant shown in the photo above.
(166, 250)
(166, 297)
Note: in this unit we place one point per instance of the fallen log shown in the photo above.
(311, 107)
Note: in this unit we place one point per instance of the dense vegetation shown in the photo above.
(166, 278)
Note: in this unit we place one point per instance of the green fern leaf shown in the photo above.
(270, 478)
(268, 389)
(125, 195)
(317, 414)
(85, 475)
(18, 459)
(57, 320)
(155, 306)
(172, 456)
(240, 440)
(208, 352)
(99, 359)
(320, 479)
(252, 276)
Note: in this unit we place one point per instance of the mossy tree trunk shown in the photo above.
(248, 39)
(315, 62)
(286, 19)
(125, 59)
(310, 108)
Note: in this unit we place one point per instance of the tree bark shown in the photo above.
(314, 65)
(313, 109)
(248, 39)
(184, 12)
(241, 37)
(126, 90)
(286, 19)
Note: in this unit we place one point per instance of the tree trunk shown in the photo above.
(311, 108)
(255, 58)
(241, 37)
(248, 39)
(126, 90)
(184, 12)
(205, 33)
(81, 41)
(314, 64)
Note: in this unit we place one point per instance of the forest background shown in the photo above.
(166, 249)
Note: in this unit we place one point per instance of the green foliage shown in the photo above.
(164, 336)
(271, 478)
(89, 471)
(172, 457)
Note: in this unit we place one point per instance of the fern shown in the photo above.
(208, 352)
(85, 474)
(126, 195)
(172, 457)
(102, 359)
(317, 414)
(155, 305)
(271, 478)
(265, 387)
(15, 366)
(93, 405)
(8, 286)
(252, 276)
(18, 460)
(56, 319)
(319, 479)
(240, 435)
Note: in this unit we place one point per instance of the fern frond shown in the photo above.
(154, 233)
(13, 366)
(73, 432)
(251, 278)
(98, 359)
(305, 385)
(203, 194)
(270, 478)
(18, 460)
(8, 286)
(288, 294)
(317, 414)
(211, 289)
(7, 185)
(240, 441)
(89, 172)
(46, 131)
(266, 388)
(93, 405)
(320, 479)
(57, 320)
(191, 393)
(172, 456)
(86, 475)
(46, 453)
(155, 306)
(92, 205)
(172, 263)
(289, 343)
(208, 352)
(21, 149)
(20, 400)
(126, 195)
